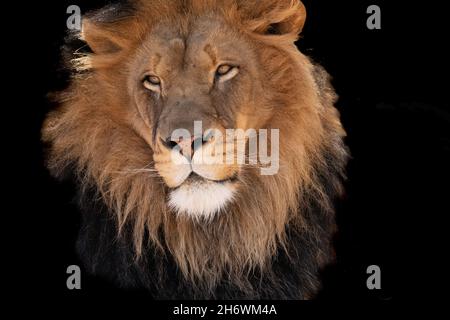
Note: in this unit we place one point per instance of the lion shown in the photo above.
(188, 230)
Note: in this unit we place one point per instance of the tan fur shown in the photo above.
(110, 146)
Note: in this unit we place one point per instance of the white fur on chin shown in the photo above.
(201, 199)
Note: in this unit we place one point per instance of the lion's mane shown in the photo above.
(273, 239)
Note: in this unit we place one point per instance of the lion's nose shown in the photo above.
(186, 147)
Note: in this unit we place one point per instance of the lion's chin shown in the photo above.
(201, 198)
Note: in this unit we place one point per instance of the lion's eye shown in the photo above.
(226, 72)
(152, 83)
(224, 69)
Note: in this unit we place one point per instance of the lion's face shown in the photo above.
(207, 82)
(205, 77)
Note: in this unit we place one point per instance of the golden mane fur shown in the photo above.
(92, 134)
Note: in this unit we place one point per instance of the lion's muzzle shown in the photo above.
(195, 170)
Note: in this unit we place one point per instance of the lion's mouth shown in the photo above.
(195, 178)
(201, 197)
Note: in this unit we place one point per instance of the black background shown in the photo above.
(392, 85)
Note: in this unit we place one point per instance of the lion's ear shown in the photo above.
(108, 30)
(275, 17)
(100, 40)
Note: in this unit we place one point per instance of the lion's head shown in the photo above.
(158, 66)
